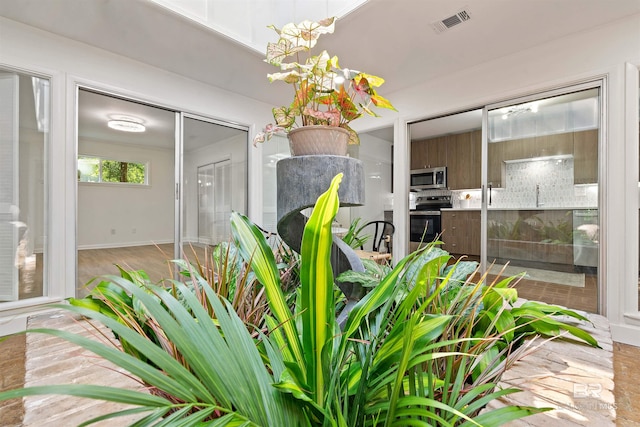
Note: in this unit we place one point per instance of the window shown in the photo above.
(96, 169)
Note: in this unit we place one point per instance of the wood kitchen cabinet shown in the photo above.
(538, 146)
(529, 148)
(585, 157)
(463, 160)
(461, 232)
(429, 153)
(495, 164)
(553, 145)
(462, 153)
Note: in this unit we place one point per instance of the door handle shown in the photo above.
(490, 188)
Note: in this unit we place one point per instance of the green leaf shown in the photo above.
(501, 416)
(316, 279)
(110, 394)
(255, 250)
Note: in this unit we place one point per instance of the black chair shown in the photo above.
(383, 232)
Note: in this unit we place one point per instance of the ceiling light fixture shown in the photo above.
(516, 110)
(126, 124)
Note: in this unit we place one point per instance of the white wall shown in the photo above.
(114, 215)
(375, 154)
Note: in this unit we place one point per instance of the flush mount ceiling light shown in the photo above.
(516, 110)
(126, 123)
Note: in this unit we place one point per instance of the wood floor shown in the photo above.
(153, 259)
(92, 263)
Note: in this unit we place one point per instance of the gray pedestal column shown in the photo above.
(301, 180)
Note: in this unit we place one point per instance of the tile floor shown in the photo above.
(56, 411)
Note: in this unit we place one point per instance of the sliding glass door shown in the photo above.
(541, 196)
(214, 183)
(153, 185)
(24, 137)
(125, 187)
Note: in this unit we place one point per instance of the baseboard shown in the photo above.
(124, 245)
(626, 334)
(10, 325)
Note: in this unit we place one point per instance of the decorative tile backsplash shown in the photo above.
(540, 184)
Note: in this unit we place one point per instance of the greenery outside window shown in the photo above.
(100, 170)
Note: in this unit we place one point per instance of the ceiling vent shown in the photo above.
(451, 21)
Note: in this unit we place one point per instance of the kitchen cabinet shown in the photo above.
(461, 153)
(553, 145)
(538, 146)
(585, 157)
(461, 232)
(541, 146)
(463, 160)
(429, 153)
(515, 149)
(495, 164)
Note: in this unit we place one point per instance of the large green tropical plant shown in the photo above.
(416, 350)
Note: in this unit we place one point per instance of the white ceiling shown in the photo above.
(390, 38)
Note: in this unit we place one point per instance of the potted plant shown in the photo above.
(325, 95)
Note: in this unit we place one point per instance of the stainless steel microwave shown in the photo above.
(426, 179)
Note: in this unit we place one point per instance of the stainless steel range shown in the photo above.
(424, 220)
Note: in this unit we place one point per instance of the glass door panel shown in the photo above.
(542, 197)
(125, 188)
(214, 183)
(214, 202)
(24, 134)
(638, 142)
(206, 203)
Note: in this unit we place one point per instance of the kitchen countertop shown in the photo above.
(542, 208)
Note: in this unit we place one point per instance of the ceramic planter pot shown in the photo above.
(316, 140)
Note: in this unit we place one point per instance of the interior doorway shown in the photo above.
(125, 187)
(138, 200)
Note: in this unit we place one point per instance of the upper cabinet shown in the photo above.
(585, 157)
(429, 153)
(583, 145)
(461, 153)
(463, 160)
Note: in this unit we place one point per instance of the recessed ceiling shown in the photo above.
(247, 22)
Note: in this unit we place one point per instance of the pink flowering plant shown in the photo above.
(324, 93)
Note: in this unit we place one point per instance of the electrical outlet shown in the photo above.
(133, 231)
(113, 231)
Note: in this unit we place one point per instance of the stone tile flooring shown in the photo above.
(576, 380)
(51, 360)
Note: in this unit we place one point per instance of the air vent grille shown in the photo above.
(451, 21)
